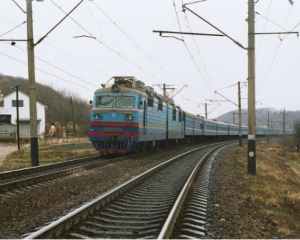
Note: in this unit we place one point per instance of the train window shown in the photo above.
(201, 125)
(104, 101)
(180, 117)
(174, 115)
(125, 102)
(150, 102)
(160, 106)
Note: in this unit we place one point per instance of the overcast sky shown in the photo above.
(119, 41)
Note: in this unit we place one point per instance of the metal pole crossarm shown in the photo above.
(211, 100)
(188, 33)
(12, 29)
(179, 90)
(278, 33)
(14, 40)
(173, 37)
(19, 6)
(195, 2)
(237, 43)
(214, 108)
(226, 98)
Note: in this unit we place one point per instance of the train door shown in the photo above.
(167, 122)
(145, 118)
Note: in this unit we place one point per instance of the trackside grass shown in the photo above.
(56, 152)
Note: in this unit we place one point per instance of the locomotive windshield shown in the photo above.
(125, 102)
(104, 101)
(120, 101)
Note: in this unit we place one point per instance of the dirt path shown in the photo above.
(5, 149)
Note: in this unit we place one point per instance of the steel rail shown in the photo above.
(25, 179)
(168, 227)
(30, 170)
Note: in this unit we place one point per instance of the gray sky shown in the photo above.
(124, 44)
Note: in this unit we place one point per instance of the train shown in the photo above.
(128, 116)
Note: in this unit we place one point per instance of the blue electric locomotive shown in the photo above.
(129, 116)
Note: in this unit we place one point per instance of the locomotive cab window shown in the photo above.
(125, 102)
(104, 101)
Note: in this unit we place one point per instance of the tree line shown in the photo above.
(59, 104)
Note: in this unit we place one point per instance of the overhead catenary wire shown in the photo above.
(189, 25)
(180, 28)
(263, 29)
(46, 72)
(108, 47)
(13, 29)
(39, 58)
(136, 43)
(274, 57)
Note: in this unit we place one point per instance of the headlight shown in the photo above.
(128, 117)
(115, 88)
(97, 116)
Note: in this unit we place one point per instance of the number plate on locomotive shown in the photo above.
(112, 129)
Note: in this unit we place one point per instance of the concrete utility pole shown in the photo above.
(251, 90)
(205, 106)
(32, 90)
(240, 115)
(233, 117)
(283, 129)
(17, 106)
(165, 89)
(268, 136)
(74, 128)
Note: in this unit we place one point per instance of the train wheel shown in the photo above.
(137, 148)
(144, 147)
(150, 146)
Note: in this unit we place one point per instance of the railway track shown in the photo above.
(147, 206)
(12, 180)
(17, 179)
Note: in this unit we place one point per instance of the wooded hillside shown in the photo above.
(59, 105)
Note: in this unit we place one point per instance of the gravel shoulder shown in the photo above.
(261, 206)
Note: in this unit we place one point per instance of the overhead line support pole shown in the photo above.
(18, 122)
(251, 90)
(240, 115)
(32, 89)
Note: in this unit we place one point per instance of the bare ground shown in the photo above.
(265, 205)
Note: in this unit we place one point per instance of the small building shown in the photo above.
(8, 115)
(8, 132)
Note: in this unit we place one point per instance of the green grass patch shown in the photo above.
(295, 164)
(48, 154)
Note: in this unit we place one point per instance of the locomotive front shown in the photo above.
(115, 115)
